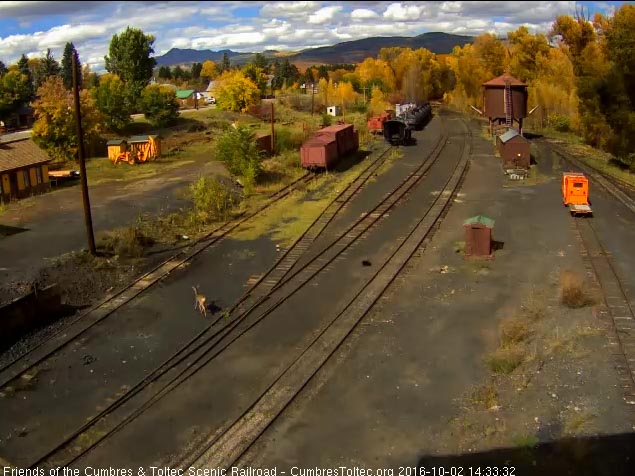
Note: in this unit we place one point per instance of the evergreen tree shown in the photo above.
(67, 66)
(225, 65)
(23, 68)
(3, 69)
(196, 70)
(165, 73)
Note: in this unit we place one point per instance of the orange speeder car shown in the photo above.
(575, 192)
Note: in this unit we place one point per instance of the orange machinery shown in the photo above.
(575, 193)
(376, 124)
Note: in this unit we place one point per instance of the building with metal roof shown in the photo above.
(23, 169)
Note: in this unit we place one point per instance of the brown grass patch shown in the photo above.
(484, 396)
(506, 359)
(574, 294)
(513, 331)
(127, 242)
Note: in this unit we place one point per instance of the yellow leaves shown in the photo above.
(209, 70)
(371, 69)
(236, 92)
(55, 129)
(378, 101)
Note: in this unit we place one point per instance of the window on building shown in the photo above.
(38, 175)
(25, 175)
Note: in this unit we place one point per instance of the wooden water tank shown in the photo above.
(494, 98)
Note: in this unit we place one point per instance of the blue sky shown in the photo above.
(30, 27)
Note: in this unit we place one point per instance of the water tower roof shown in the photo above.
(500, 81)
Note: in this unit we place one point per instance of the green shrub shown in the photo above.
(326, 119)
(287, 139)
(238, 150)
(212, 199)
(159, 105)
(559, 122)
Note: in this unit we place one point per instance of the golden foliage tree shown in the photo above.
(236, 92)
(378, 101)
(55, 129)
(209, 70)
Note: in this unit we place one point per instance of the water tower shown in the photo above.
(505, 101)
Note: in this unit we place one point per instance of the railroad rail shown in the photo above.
(196, 352)
(284, 262)
(616, 310)
(225, 447)
(112, 302)
(607, 182)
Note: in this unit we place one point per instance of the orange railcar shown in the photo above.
(575, 192)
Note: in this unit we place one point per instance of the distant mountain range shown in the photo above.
(347, 52)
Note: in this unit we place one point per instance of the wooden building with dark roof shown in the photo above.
(23, 169)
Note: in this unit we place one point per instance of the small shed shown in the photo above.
(478, 236)
(23, 169)
(186, 97)
(116, 147)
(514, 149)
(144, 147)
(334, 111)
(263, 142)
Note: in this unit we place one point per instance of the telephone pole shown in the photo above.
(82, 163)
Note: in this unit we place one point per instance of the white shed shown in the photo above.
(334, 110)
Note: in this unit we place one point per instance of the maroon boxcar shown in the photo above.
(329, 145)
(343, 135)
(319, 152)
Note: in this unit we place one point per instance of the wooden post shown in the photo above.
(272, 132)
(82, 162)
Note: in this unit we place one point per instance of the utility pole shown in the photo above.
(272, 131)
(312, 96)
(82, 162)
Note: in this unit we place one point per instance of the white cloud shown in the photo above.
(397, 11)
(278, 25)
(363, 14)
(324, 15)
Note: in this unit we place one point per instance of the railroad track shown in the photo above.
(226, 446)
(273, 291)
(616, 310)
(265, 282)
(607, 182)
(112, 302)
(13, 371)
(36, 355)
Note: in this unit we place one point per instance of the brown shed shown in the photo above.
(478, 236)
(263, 141)
(23, 169)
(514, 149)
(505, 96)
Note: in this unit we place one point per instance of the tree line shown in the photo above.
(580, 76)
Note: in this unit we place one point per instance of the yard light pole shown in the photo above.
(82, 163)
(312, 96)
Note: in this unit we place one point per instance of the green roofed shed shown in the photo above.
(136, 139)
(480, 220)
(184, 94)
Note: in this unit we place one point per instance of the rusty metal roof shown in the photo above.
(500, 81)
(20, 153)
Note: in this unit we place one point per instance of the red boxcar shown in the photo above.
(329, 145)
(343, 135)
(319, 152)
